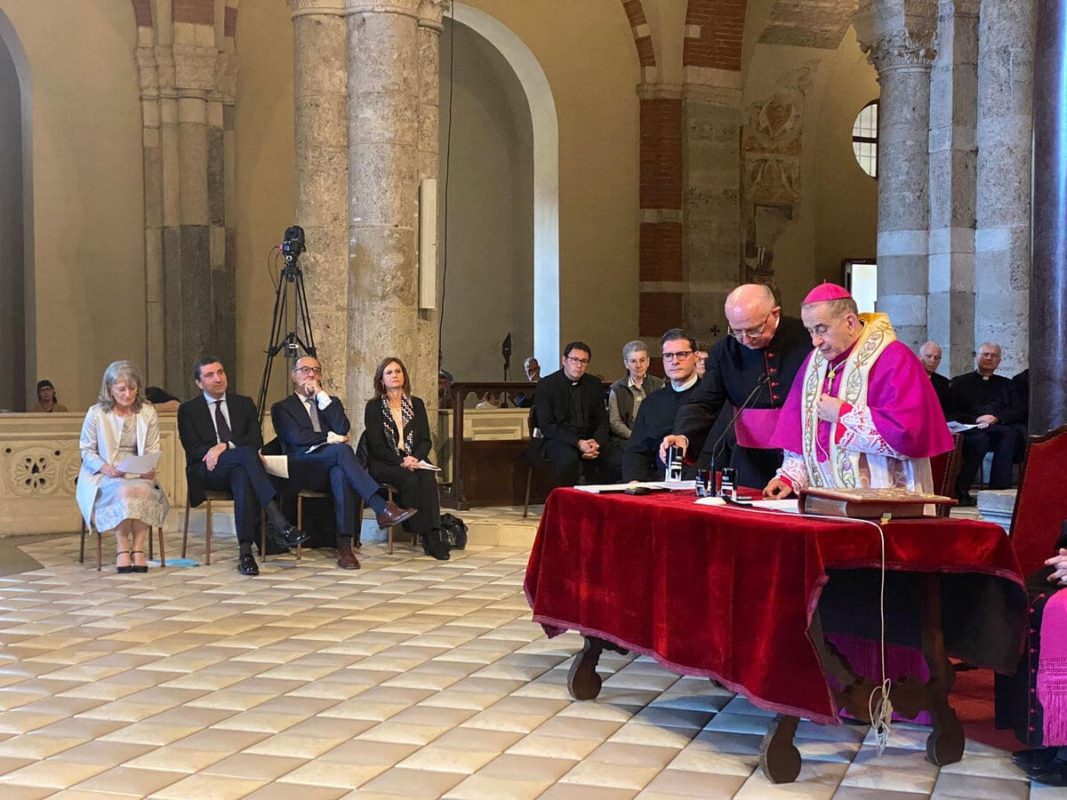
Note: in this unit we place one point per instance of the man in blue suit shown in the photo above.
(313, 430)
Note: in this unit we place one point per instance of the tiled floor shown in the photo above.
(409, 678)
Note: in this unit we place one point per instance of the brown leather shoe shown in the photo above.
(346, 559)
(394, 515)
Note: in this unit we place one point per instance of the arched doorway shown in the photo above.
(501, 173)
(16, 267)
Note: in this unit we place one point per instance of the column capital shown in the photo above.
(897, 34)
(303, 8)
(406, 8)
(431, 14)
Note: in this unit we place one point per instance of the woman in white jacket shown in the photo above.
(121, 424)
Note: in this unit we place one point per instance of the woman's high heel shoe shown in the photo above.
(138, 567)
(128, 567)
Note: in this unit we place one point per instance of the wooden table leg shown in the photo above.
(778, 756)
(946, 741)
(583, 682)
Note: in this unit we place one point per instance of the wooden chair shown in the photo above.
(211, 496)
(946, 469)
(1041, 502)
(99, 547)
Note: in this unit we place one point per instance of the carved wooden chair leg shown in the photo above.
(582, 680)
(946, 741)
(778, 756)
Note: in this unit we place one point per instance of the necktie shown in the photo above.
(221, 425)
(313, 412)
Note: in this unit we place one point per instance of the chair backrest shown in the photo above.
(946, 468)
(362, 452)
(1041, 502)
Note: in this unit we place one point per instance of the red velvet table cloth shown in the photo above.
(729, 593)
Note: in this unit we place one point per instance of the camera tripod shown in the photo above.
(283, 333)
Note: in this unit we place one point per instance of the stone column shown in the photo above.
(188, 81)
(953, 152)
(429, 69)
(1048, 315)
(383, 158)
(320, 96)
(1002, 239)
(898, 35)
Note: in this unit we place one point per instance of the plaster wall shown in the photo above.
(88, 200)
(489, 278)
(264, 188)
(589, 59)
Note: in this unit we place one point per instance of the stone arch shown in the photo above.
(714, 33)
(546, 172)
(635, 12)
(17, 310)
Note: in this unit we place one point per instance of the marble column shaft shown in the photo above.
(383, 158)
(953, 153)
(1002, 237)
(1048, 309)
(320, 93)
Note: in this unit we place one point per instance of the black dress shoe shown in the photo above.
(292, 536)
(434, 545)
(247, 565)
(1053, 774)
(393, 514)
(1030, 758)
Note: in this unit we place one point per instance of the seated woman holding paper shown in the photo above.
(117, 487)
(398, 444)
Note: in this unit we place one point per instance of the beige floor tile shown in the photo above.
(53, 773)
(284, 791)
(481, 787)
(208, 787)
(906, 770)
(111, 754)
(556, 747)
(297, 746)
(413, 783)
(17, 792)
(337, 774)
(172, 758)
(128, 780)
(564, 791)
(973, 787)
(444, 759)
(675, 783)
(254, 767)
(33, 746)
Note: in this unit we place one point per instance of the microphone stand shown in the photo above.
(716, 449)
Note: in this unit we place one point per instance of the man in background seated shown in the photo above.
(655, 417)
(221, 435)
(444, 388)
(47, 402)
(573, 419)
(984, 398)
(533, 375)
(930, 355)
(313, 430)
(629, 392)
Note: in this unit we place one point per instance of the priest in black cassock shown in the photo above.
(655, 417)
(756, 362)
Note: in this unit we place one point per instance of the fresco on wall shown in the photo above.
(771, 172)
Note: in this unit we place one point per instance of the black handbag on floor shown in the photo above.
(454, 531)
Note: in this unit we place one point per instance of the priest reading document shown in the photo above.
(862, 413)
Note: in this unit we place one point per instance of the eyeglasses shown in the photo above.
(582, 361)
(750, 333)
(681, 355)
(309, 370)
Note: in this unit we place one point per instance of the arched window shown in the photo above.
(865, 138)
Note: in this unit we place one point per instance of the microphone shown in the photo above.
(717, 448)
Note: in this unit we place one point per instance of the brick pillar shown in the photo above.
(711, 147)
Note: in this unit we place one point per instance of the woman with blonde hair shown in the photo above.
(121, 424)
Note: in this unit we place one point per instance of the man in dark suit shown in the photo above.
(221, 436)
(573, 419)
(984, 399)
(930, 355)
(313, 430)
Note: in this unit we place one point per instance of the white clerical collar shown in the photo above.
(689, 384)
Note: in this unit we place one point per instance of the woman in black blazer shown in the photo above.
(398, 439)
